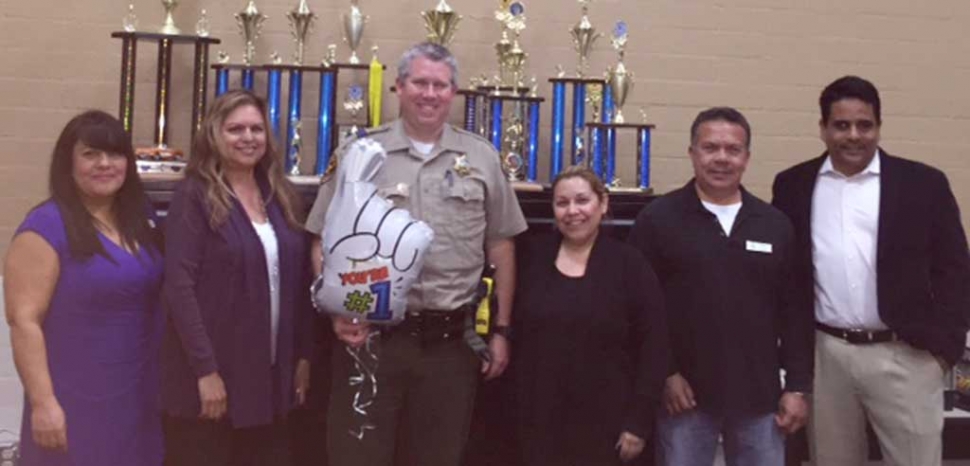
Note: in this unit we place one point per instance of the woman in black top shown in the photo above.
(591, 337)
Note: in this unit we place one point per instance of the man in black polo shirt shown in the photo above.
(722, 256)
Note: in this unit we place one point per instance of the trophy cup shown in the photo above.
(168, 27)
(584, 36)
(441, 23)
(620, 80)
(353, 30)
(300, 19)
(250, 22)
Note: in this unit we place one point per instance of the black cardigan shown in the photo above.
(604, 351)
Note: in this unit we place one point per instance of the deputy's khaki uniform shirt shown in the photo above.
(464, 210)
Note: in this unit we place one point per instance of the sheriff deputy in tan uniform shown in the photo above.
(427, 374)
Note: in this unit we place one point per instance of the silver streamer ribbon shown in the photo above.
(366, 358)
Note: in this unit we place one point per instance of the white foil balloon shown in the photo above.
(372, 251)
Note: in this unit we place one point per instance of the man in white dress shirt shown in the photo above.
(882, 257)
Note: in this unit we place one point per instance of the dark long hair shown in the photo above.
(207, 164)
(101, 131)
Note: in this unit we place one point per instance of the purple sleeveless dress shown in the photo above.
(102, 330)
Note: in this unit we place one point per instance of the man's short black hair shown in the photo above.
(849, 87)
(728, 114)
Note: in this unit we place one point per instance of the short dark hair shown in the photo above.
(849, 87)
(728, 114)
(101, 131)
(434, 52)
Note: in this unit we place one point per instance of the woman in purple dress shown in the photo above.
(82, 282)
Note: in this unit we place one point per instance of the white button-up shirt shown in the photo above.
(845, 232)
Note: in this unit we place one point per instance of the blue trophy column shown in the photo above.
(579, 118)
(222, 81)
(533, 164)
(273, 89)
(643, 166)
(558, 127)
(496, 129)
(325, 122)
(248, 77)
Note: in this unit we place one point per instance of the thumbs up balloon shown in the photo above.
(372, 251)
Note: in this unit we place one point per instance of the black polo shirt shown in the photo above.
(732, 324)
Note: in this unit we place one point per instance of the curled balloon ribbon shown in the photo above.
(366, 359)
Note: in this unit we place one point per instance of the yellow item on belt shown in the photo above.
(483, 315)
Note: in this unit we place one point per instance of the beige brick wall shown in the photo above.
(770, 58)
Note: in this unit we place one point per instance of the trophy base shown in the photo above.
(529, 186)
(629, 190)
(304, 180)
(156, 167)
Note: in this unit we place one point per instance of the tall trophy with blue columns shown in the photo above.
(250, 22)
(584, 36)
(300, 18)
(620, 84)
(514, 128)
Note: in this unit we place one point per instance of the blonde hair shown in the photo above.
(206, 162)
(584, 173)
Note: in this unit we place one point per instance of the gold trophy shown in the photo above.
(250, 22)
(584, 36)
(511, 58)
(301, 18)
(441, 23)
(353, 30)
(168, 27)
(620, 80)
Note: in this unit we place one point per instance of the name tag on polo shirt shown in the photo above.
(758, 246)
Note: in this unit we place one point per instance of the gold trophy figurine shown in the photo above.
(594, 97)
(441, 23)
(331, 57)
(130, 22)
(584, 36)
(353, 30)
(296, 146)
(620, 80)
(354, 103)
(512, 161)
(502, 49)
(202, 25)
(301, 18)
(168, 27)
(250, 22)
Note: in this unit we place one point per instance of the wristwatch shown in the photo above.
(504, 330)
